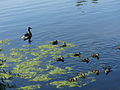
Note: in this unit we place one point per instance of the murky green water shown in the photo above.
(88, 26)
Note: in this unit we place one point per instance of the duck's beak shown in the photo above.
(30, 27)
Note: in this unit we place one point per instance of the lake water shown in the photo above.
(91, 25)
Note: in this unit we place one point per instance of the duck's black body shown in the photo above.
(28, 35)
(55, 42)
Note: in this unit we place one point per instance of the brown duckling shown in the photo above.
(107, 70)
(118, 47)
(60, 59)
(82, 75)
(97, 72)
(28, 35)
(95, 55)
(55, 42)
(64, 45)
(86, 60)
(77, 54)
(72, 79)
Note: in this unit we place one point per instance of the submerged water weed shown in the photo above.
(5, 75)
(58, 70)
(6, 42)
(4, 65)
(25, 45)
(68, 68)
(41, 77)
(31, 87)
(60, 84)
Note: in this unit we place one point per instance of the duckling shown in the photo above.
(28, 35)
(96, 72)
(95, 55)
(86, 60)
(82, 75)
(72, 79)
(64, 45)
(77, 54)
(60, 59)
(118, 47)
(55, 42)
(107, 70)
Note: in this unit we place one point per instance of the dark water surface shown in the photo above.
(92, 25)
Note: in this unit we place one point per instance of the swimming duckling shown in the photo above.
(95, 55)
(118, 47)
(72, 79)
(107, 70)
(64, 45)
(96, 72)
(28, 35)
(60, 59)
(82, 75)
(77, 54)
(86, 60)
(55, 42)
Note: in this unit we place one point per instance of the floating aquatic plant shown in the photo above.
(31, 87)
(58, 70)
(41, 77)
(60, 84)
(68, 68)
(6, 42)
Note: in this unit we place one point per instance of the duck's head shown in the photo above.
(29, 28)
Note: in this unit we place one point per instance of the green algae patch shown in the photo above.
(4, 65)
(58, 70)
(41, 77)
(48, 67)
(5, 75)
(68, 68)
(25, 45)
(31, 87)
(60, 84)
(6, 41)
(47, 46)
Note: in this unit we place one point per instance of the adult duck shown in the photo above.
(28, 35)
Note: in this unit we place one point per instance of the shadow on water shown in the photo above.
(83, 2)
